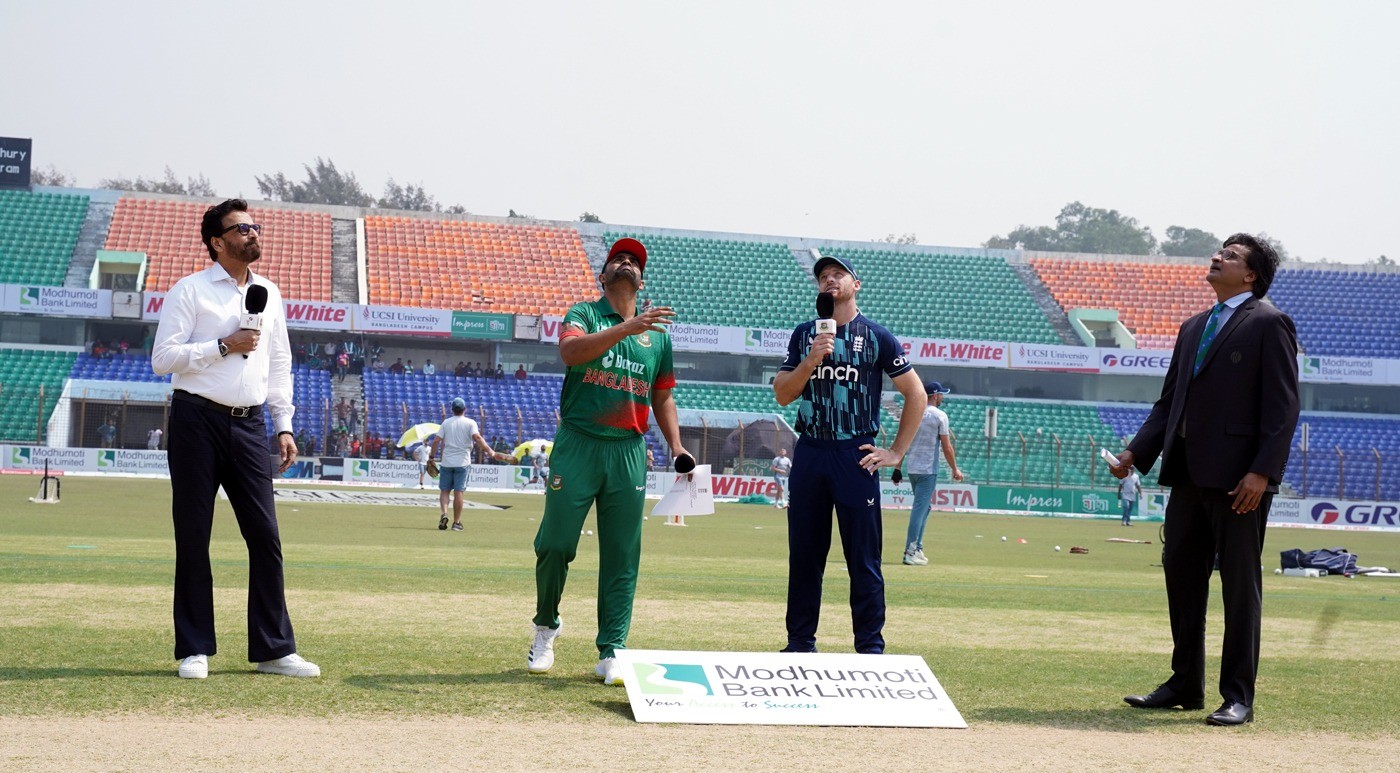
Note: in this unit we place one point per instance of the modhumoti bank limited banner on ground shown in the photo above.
(764, 688)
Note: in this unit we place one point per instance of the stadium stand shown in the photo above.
(22, 373)
(1077, 425)
(1342, 313)
(1152, 299)
(311, 389)
(37, 234)
(725, 282)
(928, 295)
(475, 266)
(296, 245)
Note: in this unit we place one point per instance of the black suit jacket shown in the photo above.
(1239, 413)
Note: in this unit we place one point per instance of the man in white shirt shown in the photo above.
(922, 463)
(429, 369)
(223, 375)
(782, 470)
(454, 441)
(1129, 489)
(153, 439)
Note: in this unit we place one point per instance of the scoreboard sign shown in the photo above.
(14, 162)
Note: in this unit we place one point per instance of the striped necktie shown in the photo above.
(1207, 337)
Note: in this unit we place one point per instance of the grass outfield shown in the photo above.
(406, 620)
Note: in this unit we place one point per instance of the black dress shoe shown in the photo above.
(1231, 713)
(1164, 697)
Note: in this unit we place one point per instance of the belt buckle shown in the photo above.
(240, 413)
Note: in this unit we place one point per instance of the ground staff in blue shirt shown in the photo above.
(836, 462)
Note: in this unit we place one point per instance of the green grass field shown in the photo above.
(407, 620)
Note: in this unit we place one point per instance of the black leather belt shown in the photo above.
(237, 412)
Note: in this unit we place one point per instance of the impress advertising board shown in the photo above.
(1038, 500)
(766, 688)
(473, 324)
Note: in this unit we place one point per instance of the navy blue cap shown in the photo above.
(935, 388)
(842, 262)
(458, 404)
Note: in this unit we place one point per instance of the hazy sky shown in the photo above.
(848, 120)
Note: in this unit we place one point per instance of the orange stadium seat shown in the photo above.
(296, 245)
(473, 266)
(1152, 299)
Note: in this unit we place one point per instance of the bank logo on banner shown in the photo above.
(672, 679)
(1325, 512)
(29, 297)
(766, 688)
(20, 456)
(359, 469)
(106, 460)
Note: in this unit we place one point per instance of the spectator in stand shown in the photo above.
(408, 368)
(397, 367)
(352, 417)
(153, 444)
(123, 346)
(520, 373)
(107, 433)
(377, 365)
(342, 412)
(461, 370)
(342, 365)
(299, 353)
(428, 368)
(303, 441)
(355, 447)
(500, 372)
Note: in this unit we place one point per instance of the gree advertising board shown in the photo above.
(766, 688)
(1134, 362)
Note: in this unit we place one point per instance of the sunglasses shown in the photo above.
(243, 228)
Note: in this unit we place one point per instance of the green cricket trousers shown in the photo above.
(584, 470)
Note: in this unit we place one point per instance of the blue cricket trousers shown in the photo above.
(827, 474)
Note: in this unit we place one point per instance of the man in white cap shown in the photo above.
(454, 441)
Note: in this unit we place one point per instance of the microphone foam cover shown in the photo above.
(255, 299)
(826, 305)
(685, 463)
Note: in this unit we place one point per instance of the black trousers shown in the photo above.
(1200, 524)
(208, 449)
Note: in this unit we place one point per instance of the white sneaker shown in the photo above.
(913, 556)
(291, 665)
(610, 670)
(194, 667)
(541, 657)
(919, 558)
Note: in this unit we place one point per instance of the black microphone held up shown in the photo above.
(255, 301)
(826, 309)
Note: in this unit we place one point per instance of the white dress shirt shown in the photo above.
(198, 311)
(1231, 304)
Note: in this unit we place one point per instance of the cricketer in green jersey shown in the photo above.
(619, 368)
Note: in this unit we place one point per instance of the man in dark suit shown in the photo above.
(1223, 427)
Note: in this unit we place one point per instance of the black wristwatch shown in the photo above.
(223, 348)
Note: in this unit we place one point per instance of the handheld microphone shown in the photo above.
(685, 463)
(896, 477)
(255, 300)
(826, 309)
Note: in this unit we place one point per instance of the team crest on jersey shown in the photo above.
(556, 482)
(859, 344)
(644, 339)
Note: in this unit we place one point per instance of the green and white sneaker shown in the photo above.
(541, 657)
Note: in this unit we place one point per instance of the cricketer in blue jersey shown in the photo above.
(836, 461)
